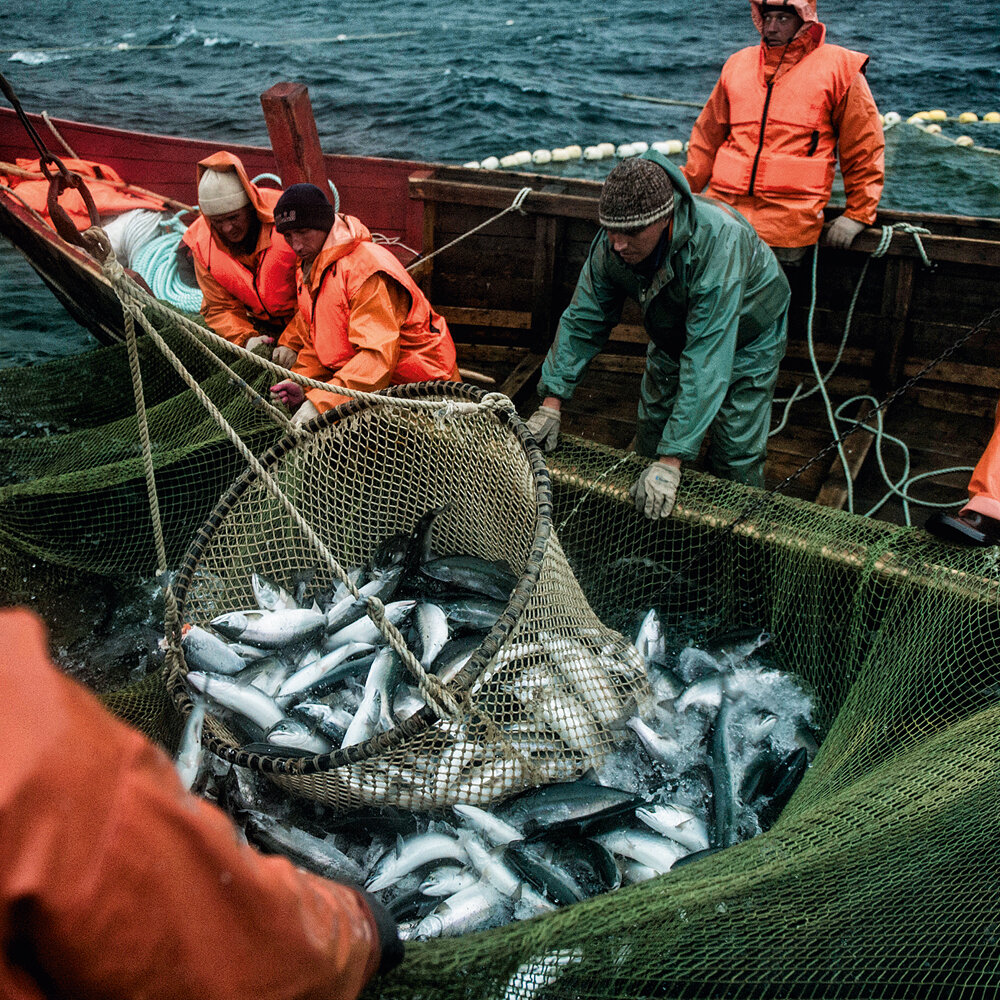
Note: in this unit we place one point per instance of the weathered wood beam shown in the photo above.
(294, 139)
(833, 492)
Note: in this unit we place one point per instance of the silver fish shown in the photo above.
(310, 673)
(271, 629)
(644, 846)
(446, 880)
(680, 824)
(244, 699)
(383, 676)
(270, 595)
(662, 748)
(431, 624)
(365, 630)
(411, 854)
(208, 652)
(476, 908)
(191, 753)
(297, 735)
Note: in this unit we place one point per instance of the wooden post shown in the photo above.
(294, 139)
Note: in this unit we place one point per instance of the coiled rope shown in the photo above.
(836, 418)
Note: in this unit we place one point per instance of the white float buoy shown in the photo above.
(625, 150)
(606, 148)
(932, 129)
(968, 116)
(937, 115)
(992, 116)
(541, 156)
(510, 160)
(560, 155)
(893, 118)
(523, 157)
(593, 153)
(574, 152)
(965, 140)
(917, 119)
(490, 163)
(472, 165)
(640, 147)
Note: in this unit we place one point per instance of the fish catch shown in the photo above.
(708, 760)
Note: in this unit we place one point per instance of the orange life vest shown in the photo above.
(267, 291)
(102, 182)
(781, 139)
(426, 350)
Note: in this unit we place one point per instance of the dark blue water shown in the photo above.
(453, 82)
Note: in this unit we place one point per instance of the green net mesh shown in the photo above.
(880, 876)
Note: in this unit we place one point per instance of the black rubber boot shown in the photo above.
(965, 528)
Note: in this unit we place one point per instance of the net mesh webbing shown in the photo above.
(879, 878)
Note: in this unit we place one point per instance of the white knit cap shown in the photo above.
(220, 192)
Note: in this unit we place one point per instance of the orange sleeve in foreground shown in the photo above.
(115, 882)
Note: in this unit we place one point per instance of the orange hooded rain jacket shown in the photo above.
(768, 139)
(237, 290)
(363, 322)
(115, 882)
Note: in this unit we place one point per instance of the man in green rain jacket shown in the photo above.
(714, 302)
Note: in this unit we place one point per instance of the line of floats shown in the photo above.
(927, 121)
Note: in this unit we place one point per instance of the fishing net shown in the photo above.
(544, 697)
(878, 879)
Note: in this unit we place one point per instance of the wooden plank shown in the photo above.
(833, 492)
(521, 382)
(544, 268)
(507, 318)
(985, 252)
(897, 295)
(294, 139)
(491, 196)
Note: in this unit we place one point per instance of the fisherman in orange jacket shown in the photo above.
(362, 322)
(768, 139)
(245, 270)
(978, 522)
(117, 883)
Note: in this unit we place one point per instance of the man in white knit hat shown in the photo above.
(245, 269)
(714, 302)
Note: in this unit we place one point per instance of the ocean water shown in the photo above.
(447, 81)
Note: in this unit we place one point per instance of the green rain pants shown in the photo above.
(739, 432)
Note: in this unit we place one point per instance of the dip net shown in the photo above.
(879, 878)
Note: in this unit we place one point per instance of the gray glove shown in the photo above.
(543, 425)
(655, 490)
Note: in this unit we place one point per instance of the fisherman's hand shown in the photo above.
(543, 425)
(842, 232)
(257, 342)
(305, 413)
(655, 490)
(288, 392)
(284, 356)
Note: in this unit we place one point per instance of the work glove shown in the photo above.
(543, 425)
(288, 392)
(257, 341)
(842, 231)
(284, 356)
(655, 490)
(305, 413)
(391, 947)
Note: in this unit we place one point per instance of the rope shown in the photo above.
(514, 206)
(156, 261)
(885, 241)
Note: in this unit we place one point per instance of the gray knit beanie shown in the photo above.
(636, 194)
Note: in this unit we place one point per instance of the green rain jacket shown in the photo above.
(717, 291)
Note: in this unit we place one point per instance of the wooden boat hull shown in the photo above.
(504, 287)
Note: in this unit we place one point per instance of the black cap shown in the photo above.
(303, 206)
